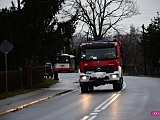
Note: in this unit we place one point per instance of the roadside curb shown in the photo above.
(33, 102)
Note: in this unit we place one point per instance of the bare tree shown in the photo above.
(133, 55)
(99, 16)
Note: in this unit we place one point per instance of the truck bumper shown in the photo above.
(100, 78)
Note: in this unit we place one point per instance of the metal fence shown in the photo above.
(138, 70)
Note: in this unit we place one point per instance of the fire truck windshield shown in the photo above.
(99, 54)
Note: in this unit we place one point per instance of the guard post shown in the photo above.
(56, 75)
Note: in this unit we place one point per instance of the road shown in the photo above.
(138, 99)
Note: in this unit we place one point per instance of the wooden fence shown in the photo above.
(20, 79)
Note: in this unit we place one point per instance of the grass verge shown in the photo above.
(45, 84)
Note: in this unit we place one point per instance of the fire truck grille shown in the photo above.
(107, 69)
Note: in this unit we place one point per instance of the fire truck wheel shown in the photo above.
(84, 88)
(117, 86)
(91, 88)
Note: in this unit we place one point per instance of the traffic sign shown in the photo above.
(6, 47)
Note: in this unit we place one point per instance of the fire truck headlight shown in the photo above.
(114, 76)
(84, 77)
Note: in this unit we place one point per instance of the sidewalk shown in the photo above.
(67, 82)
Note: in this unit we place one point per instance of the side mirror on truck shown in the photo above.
(83, 57)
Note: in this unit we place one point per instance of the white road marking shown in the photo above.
(96, 111)
(93, 113)
(106, 105)
(85, 118)
(92, 117)
(103, 105)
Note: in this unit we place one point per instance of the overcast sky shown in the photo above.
(148, 10)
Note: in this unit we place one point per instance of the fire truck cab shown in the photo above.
(100, 64)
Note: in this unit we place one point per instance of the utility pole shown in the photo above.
(144, 49)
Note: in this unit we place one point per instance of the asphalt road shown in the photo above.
(138, 100)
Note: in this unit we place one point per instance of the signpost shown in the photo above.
(6, 47)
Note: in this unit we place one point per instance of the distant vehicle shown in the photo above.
(64, 62)
(100, 64)
(48, 70)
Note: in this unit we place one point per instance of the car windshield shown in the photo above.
(99, 54)
(48, 67)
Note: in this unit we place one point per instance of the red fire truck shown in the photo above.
(100, 64)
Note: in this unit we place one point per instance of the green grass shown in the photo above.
(14, 93)
(45, 84)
